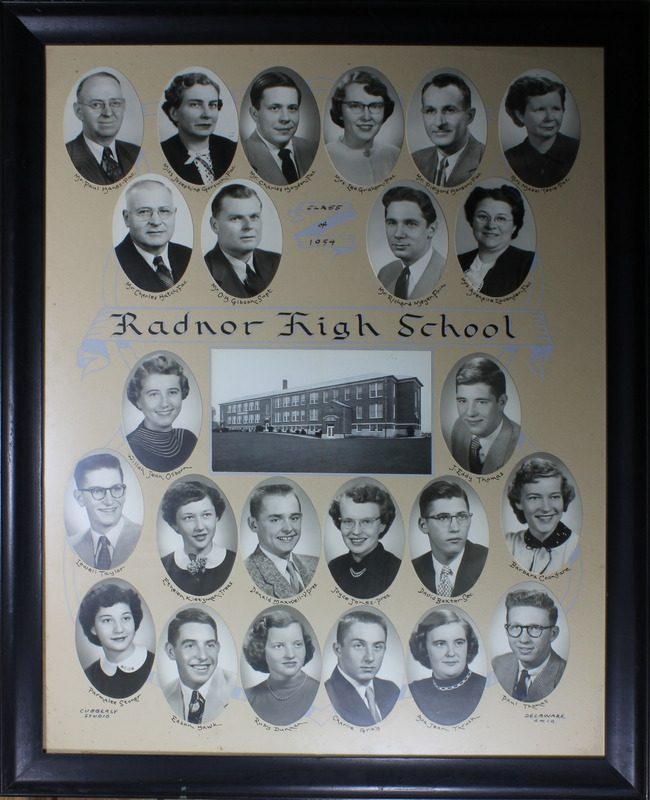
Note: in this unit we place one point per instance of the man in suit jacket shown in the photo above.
(276, 518)
(149, 259)
(273, 149)
(203, 689)
(411, 221)
(447, 113)
(533, 669)
(96, 154)
(483, 438)
(353, 688)
(101, 491)
(196, 153)
(236, 262)
(455, 563)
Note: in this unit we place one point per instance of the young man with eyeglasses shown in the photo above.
(533, 669)
(111, 537)
(276, 518)
(96, 154)
(447, 114)
(454, 563)
(150, 260)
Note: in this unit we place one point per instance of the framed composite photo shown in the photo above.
(325, 442)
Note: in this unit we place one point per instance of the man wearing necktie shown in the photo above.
(454, 563)
(196, 153)
(101, 492)
(533, 669)
(276, 518)
(447, 114)
(355, 691)
(96, 154)
(410, 220)
(150, 260)
(203, 689)
(273, 149)
(236, 263)
(483, 438)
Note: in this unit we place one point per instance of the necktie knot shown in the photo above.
(104, 553)
(402, 284)
(163, 271)
(475, 464)
(110, 166)
(441, 178)
(521, 688)
(445, 588)
(372, 705)
(294, 577)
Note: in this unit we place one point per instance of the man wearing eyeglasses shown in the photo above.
(149, 259)
(276, 519)
(447, 114)
(454, 563)
(533, 669)
(111, 537)
(96, 154)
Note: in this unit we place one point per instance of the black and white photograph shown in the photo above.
(363, 126)
(480, 414)
(160, 391)
(241, 238)
(152, 233)
(297, 411)
(542, 514)
(495, 238)
(279, 126)
(448, 537)
(197, 535)
(280, 665)
(539, 126)
(446, 665)
(103, 509)
(446, 126)
(529, 642)
(197, 126)
(115, 638)
(363, 666)
(363, 535)
(103, 126)
(280, 538)
(407, 241)
(196, 664)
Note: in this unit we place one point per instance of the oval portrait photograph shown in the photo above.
(279, 126)
(281, 649)
(363, 126)
(197, 664)
(407, 241)
(241, 238)
(280, 537)
(446, 665)
(539, 127)
(447, 128)
(103, 126)
(364, 538)
(115, 638)
(529, 642)
(197, 126)
(103, 509)
(448, 537)
(161, 411)
(542, 514)
(363, 666)
(197, 535)
(152, 233)
(495, 238)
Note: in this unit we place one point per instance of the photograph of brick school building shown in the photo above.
(374, 405)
